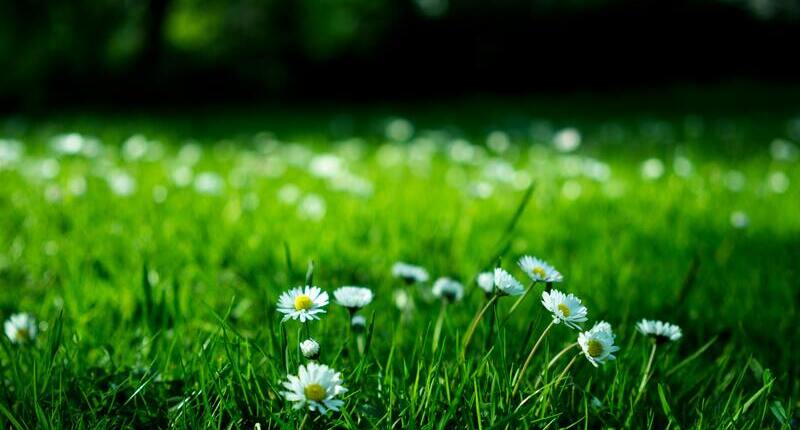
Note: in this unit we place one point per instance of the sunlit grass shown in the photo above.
(153, 256)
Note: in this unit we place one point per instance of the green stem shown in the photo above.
(518, 302)
(564, 372)
(492, 323)
(563, 351)
(554, 360)
(643, 384)
(530, 357)
(437, 331)
(474, 324)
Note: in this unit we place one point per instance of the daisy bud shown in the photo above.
(310, 349)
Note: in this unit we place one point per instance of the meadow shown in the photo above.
(152, 250)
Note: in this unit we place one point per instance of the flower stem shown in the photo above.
(492, 323)
(564, 372)
(474, 324)
(519, 302)
(645, 378)
(437, 331)
(563, 351)
(530, 357)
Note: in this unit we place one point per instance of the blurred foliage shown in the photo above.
(86, 43)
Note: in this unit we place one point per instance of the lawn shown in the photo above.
(152, 250)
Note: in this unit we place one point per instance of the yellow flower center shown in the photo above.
(538, 271)
(22, 334)
(564, 309)
(314, 392)
(302, 302)
(594, 348)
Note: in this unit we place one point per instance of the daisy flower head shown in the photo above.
(660, 331)
(21, 328)
(448, 289)
(409, 273)
(597, 344)
(506, 284)
(565, 308)
(485, 282)
(310, 349)
(315, 386)
(353, 298)
(303, 303)
(538, 270)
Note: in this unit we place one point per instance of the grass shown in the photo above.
(157, 308)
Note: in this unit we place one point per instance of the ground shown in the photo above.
(152, 249)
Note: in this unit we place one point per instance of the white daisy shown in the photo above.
(21, 328)
(598, 343)
(303, 303)
(448, 289)
(310, 349)
(409, 273)
(538, 270)
(659, 330)
(485, 281)
(353, 298)
(566, 308)
(315, 386)
(507, 284)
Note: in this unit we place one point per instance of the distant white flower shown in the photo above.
(498, 141)
(289, 194)
(739, 219)
(778, 182)
(312, 207)
(486, 282)
(399, 130)
(538, 270)
(652, 169)
(10, 152)
(735, 180)
(409, 273)
(21, 328)
(77, 185)
(358, 322)
(682, 166)
(783, 150)
(448, 289)
(160, 193)
(567, 140)
(353, 298)
(310, 349)
(326, 166)
(138, 147)
(316, 387)
(208, 183)
(67, 144)
(121, 183)
(506, 284)
(190, 153)
(659, 330)
(566, 308)
(403, 300)
(303, 303)
(182, 176)
(597, 344)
